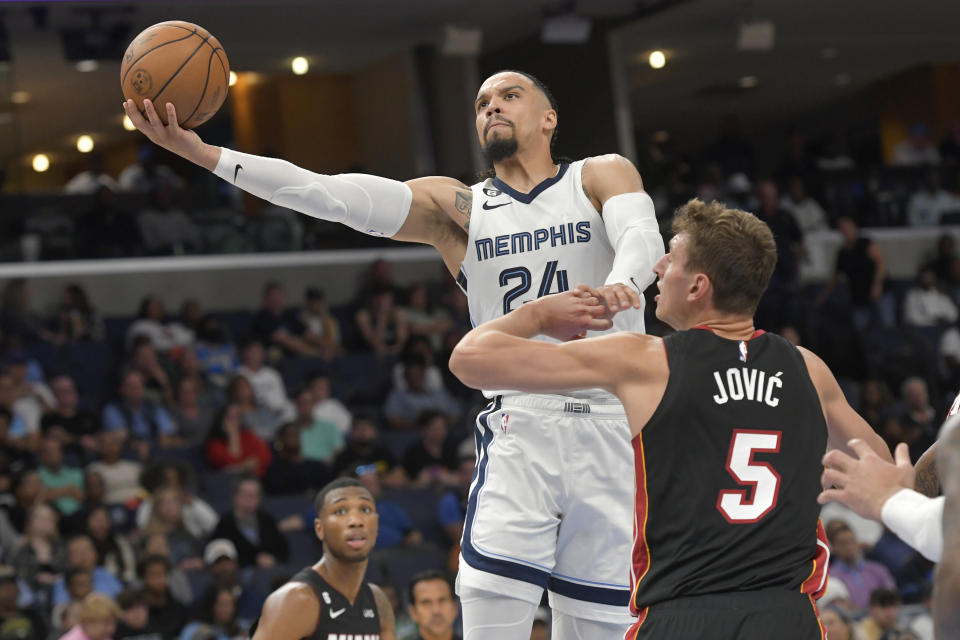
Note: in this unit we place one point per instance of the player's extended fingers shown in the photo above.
(172, 119)
(837, 459)
(130, 108)
(633, 297)
(610, 298)
(830, 495)
(901, 455)
(833, 478)
(623, 299)
(152, 116)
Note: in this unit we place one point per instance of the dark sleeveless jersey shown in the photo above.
(728, 473)
(338, 619)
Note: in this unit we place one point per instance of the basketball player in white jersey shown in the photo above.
(539, 516)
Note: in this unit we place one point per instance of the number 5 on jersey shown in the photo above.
(523, 274)
(738, 506)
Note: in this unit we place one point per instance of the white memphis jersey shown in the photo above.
(522, 246)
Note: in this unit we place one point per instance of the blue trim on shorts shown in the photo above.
(598, 595)
(497, 566)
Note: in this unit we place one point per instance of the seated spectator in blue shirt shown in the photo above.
(404, 406)
(143, 420)
(82, 555)
(452, 508)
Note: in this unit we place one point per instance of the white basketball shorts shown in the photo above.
(551, 505)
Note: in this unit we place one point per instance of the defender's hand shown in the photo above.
(866, 482)
(569, 315)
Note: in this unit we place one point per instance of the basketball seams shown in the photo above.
(162, 44)
(203, 92)
(179, 69)
(223, 65)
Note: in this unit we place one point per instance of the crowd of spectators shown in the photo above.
(166, 460)
(166, 463)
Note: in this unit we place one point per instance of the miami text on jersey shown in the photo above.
(524, 241)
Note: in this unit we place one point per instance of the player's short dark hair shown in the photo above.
(884, 598)
(735, 249)
(149, 561)
(427, 576)
(339, 483)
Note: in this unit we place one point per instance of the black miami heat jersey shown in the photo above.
(338, 619)
(728, 471)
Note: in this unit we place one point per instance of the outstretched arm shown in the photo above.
(424, 210)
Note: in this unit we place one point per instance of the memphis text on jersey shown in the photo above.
(569, 233)
(745, 383)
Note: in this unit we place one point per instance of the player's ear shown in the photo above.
(318, 528)
(549, 120)
(700, 287)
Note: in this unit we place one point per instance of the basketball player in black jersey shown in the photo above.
(330, 600)
(729, 424)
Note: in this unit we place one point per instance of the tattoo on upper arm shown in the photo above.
(926, 480)
(464, 205)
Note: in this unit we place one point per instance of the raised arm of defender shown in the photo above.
(432, 211)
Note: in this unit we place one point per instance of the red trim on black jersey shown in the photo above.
(756, 334)
(634, 630)
(816, 583)
(641, 551)
(816, 612)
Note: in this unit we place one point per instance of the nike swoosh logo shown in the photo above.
(336, 614)
(236, 171)
(486, 205)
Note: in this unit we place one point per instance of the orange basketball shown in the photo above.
(176, 62)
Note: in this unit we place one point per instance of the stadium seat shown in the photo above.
(421, 506)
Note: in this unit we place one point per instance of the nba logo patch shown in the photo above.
(504, 419)
(743, 351)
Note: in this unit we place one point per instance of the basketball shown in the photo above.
(176, 62)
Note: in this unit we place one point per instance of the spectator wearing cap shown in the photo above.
(144, 421)
(317, 327)
(98, 619)
(276, 326)
(433, 606)
(221, 559)
(167, 615)
(29, 624)
(82, 556)
(134, 623)
(252, 530)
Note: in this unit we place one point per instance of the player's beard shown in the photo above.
(500, 149)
